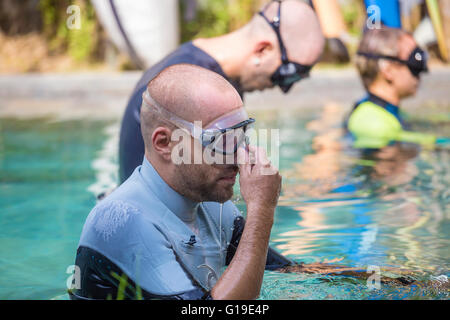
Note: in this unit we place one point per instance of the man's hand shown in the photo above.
(260, 187)
(260, 181)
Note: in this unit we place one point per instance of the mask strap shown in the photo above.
(409, 62)
(148, 101)
(378, 56)
(275, 24)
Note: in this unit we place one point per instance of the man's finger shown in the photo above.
(261, 158)
(268, 170)
(252, 154)
(243, 161)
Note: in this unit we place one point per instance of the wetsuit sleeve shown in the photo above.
(274, 260)
(417, 137)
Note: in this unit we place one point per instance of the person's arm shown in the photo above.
(274, 261)
(260, 190)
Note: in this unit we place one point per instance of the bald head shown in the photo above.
(190, 92)
(300, 30)
(251, 55)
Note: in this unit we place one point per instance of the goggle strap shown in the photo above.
(378, 56)
(415, 70)
(275, 24)
(148, 100)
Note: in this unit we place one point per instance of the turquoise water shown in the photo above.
(45, 171)
(332, 208)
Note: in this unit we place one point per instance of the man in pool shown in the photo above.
(278, 47)
(390, 64)
(170, 229)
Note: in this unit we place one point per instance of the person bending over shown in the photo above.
(278, 47)
(170, 229)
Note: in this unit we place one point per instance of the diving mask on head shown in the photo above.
(416, 63)
(224, 135)
(289, 72)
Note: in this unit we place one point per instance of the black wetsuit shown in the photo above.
(131, 146)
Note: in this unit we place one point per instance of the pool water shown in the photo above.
(46, 171)
(333, 208)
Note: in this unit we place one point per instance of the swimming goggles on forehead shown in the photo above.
(289, 72)
(224, 135)
(416, 63)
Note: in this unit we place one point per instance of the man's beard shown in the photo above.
(194, 184)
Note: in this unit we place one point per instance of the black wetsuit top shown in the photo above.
(131, 145)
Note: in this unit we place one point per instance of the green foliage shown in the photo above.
(81, 44)
(123, 285)
(213, 18)
(354, 15)
(216, 17)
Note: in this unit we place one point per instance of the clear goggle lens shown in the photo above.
(227, 141)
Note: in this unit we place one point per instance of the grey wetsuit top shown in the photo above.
(166, 245)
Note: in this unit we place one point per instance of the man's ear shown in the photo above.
(262, 47)
(161, 140)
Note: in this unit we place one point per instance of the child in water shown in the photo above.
(390, 64)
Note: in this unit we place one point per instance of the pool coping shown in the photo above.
(105, 95)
